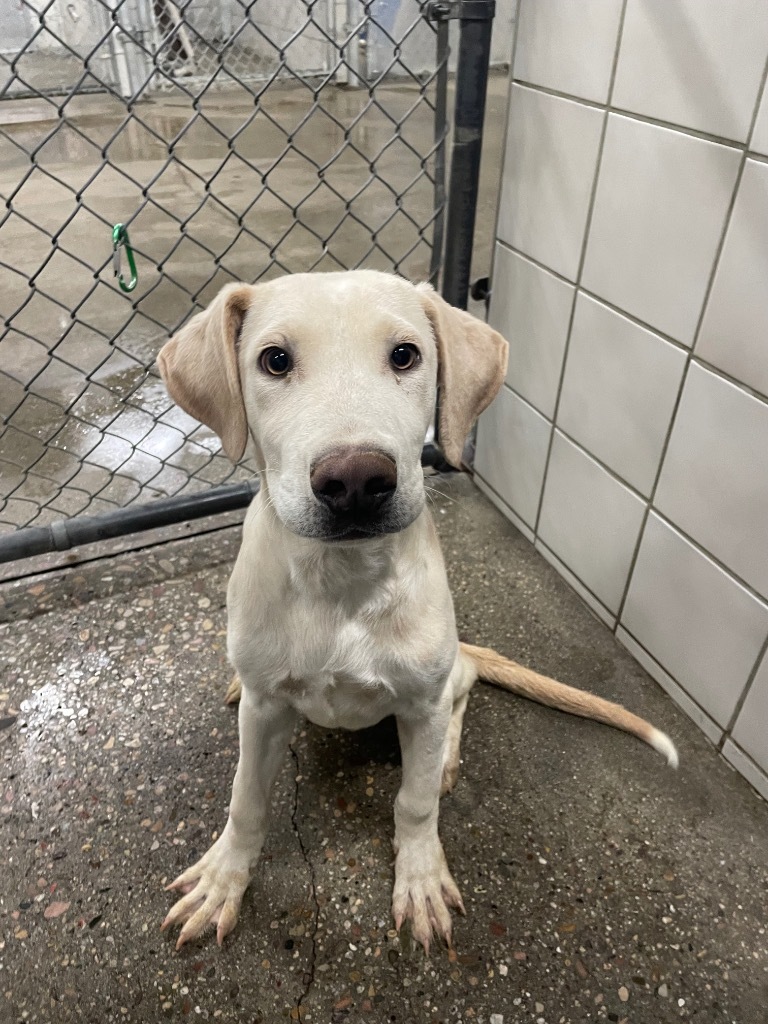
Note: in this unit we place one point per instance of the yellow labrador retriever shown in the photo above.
(339, 608)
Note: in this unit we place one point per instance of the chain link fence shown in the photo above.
(236, 141)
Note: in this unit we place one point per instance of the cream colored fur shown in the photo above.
(345, 632)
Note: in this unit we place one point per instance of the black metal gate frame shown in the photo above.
(475, 25)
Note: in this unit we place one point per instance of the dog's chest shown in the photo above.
(342, 678)
(336, 701)
(345, 649)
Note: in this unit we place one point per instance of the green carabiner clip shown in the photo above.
(120, 239)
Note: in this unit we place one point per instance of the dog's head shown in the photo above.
(333, 379)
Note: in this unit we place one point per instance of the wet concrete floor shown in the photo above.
(600, 885)
(225, 190)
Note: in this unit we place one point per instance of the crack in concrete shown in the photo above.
(312, 885)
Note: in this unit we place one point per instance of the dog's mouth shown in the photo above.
(351, 529)
(354, 526)
(359, 522)
(337, 533)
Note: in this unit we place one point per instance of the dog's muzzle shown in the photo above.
(356, 486)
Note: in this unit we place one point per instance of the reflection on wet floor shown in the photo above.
(226, 191)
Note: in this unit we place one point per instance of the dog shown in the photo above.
(338, 605)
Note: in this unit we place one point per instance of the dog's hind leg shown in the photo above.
(464, 677)
(234, 690)
(452, 750)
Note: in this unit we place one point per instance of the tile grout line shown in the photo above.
(745, 692)
(690, 356)
(759, 769)
(723, 566)
(665, 520)
(751, 392)
(642, 324)
(593, 295)
(611, 615)
(637, 493)
(582, 258)
(631, 115)
(505, 503)
(537, 544)
(697, 546)
(579, 445)
(687, 537)
(527, 401)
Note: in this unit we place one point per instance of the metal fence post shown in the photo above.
(441, 140)
(476, 23)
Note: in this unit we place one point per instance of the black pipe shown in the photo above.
(71, 533)
(476, 23)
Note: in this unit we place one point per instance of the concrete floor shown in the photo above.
(241, 196)
(599, 884)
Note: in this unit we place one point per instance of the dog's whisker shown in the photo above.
(434, 491)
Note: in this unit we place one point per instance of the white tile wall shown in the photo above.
(620, 388)
(751, 728)
(759, 141)
(694, 619)
(659, 214)
(503, 507)
(567, 46)
(734, 333)
(714, 481)
(513, 462)
(590, 521)
(711, 729)
(549, 169)
(658, 377)
(696, 63)
(532, 309)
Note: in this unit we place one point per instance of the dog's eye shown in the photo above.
(275, 361)
(404, 357)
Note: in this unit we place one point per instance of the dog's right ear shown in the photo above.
(199, 367)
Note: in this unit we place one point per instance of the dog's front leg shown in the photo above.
(424, 889)
(214, 886)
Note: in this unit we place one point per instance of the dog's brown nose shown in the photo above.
(354, 482)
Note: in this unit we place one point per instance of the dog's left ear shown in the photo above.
(200, 369)
(472, 364)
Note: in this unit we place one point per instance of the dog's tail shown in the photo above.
(494, 668)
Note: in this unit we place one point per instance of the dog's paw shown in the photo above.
(234, 690)
(213, 891)
(424, 893)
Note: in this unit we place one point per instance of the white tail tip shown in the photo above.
(661, 742)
